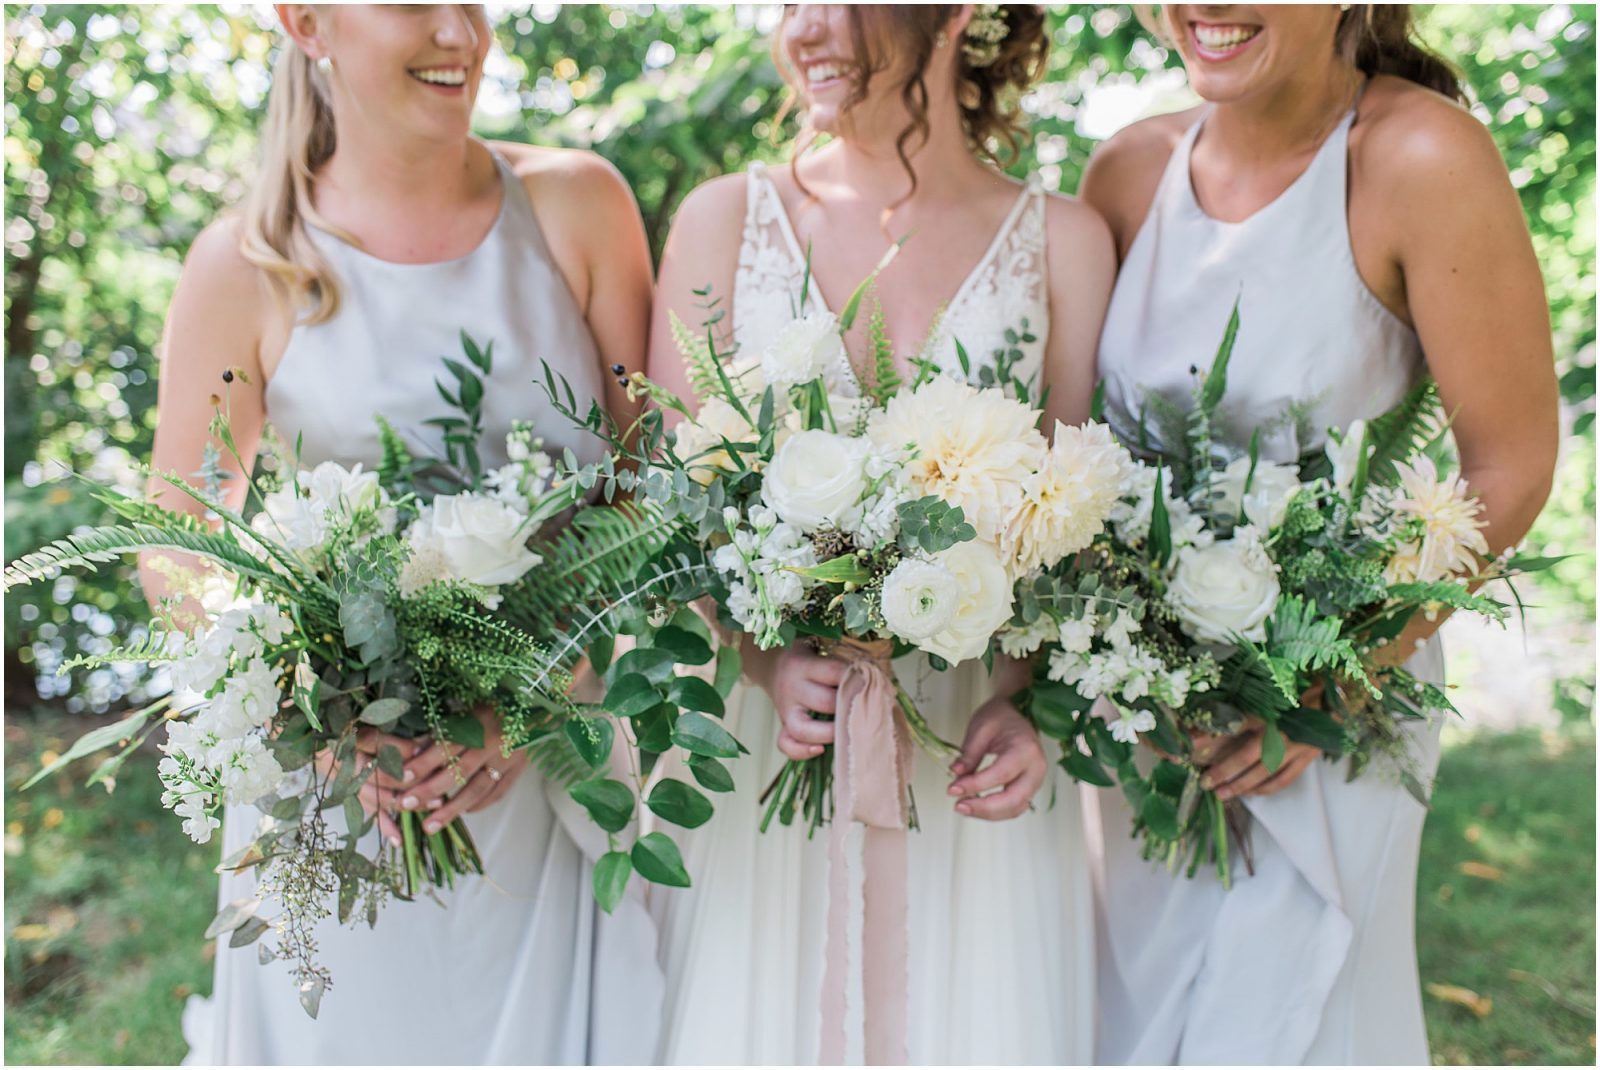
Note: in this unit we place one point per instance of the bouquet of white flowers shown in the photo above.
(868, 515)
(1229, 589)
(409, 599)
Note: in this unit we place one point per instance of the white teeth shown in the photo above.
(442, 76)
(823, 71)
(1222, 37)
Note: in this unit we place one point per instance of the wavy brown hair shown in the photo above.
(989, 96)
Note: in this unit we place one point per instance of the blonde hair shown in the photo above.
(298, 139)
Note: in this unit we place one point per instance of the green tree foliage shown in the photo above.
(129, 127)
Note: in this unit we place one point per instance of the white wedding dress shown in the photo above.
(519, 966)
(1001, 921)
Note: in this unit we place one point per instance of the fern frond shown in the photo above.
(1403, 431)
(105, 544)
(885, 378)
(554, 757)
(1448, 594)
(152, 648)
(698, 359)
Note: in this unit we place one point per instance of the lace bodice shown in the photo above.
(1005, 291)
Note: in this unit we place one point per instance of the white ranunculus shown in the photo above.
(802, 351)
(476, 539)
(919, 599)
(1271, 488)
(1346, 454)
(815, 478)
(1228, 588)
(985, 605)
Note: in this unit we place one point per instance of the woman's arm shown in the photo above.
(216, 323)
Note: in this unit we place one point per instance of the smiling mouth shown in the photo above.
(1221, 42)
(444, 77)
(822, 73)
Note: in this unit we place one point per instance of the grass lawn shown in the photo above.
(1506, 900)
(105, 900)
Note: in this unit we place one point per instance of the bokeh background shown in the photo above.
(129, 127)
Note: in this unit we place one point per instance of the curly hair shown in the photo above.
(989, 96)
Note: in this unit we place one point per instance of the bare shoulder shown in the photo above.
(1122, 176)
(569, 177)
(216, 265)
(1145, 145)
(712, 215)
(1410, 137)
(1076, 228)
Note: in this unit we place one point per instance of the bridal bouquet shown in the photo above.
(412, 599)
(869, 517)
(1228, 589)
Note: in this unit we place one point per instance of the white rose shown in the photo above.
(1227, 588)
(802, 351)
(985, 603)
(919, 599)
(815, 478)
(1271, 488)
(478, 539)
(1346, 454)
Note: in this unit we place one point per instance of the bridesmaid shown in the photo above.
(1334, 183)
(378, 229)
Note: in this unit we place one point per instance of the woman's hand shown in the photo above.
(805, 683)
(477, 779)
(1234, 766)
(380, 794)
(1019, 765)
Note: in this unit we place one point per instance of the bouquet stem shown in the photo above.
(435, 859)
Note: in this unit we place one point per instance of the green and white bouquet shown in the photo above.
(868, 515)
(1229, 589)
(415, 599)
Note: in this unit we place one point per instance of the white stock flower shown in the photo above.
(1077, 636)
(815, 479)
(248, 771)
(969, 447)
(1129, 723)
(1227, 588)
(985, 603)
(1271, 488)
(802, 351)
(1020, 642)
(1345, 453)
(1066, 502)
(197, 824)
(919, 599)
(478, 540)
(1452, 535)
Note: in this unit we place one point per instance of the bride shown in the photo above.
(919, 102)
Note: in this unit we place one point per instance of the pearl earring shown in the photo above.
(325, 65)
(941, 40)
